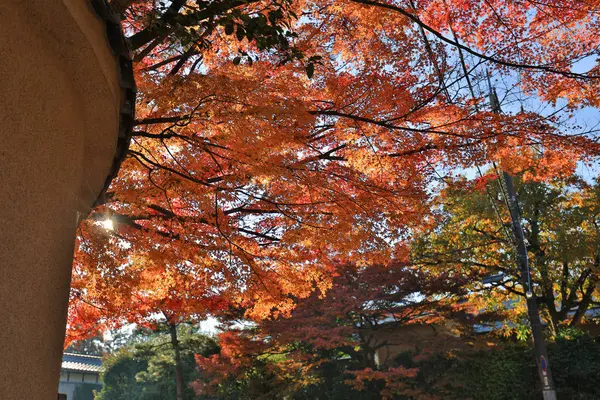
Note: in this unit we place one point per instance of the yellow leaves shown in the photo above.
(266, 308)
(263, 180)
(368, 162)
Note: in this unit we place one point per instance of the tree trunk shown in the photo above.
(368, 357)
(367, 352)
(585, 302)
(178, 365)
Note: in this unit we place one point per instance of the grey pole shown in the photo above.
(537, 330)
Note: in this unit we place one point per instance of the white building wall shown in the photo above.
(67, 388)
(70, 380)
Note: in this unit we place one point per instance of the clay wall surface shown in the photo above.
(59, 114)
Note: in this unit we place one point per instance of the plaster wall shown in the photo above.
(59, 114)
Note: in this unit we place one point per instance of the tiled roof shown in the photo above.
(80, 362)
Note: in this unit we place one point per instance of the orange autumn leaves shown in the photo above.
(245, 184)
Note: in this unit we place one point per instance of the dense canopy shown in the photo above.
(277, 139)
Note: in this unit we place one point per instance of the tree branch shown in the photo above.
(454, 43)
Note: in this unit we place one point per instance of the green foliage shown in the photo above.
(261, 383)
(508, 372)
(85, 391)
(522, 331)
(146, 371)
(255, 383)
(503, 374)
(560, 223)
(575, 364)
(333, 387)
(119, 376)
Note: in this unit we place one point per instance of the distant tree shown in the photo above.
(93, 346)
(109, 342)
(146, 370)
(561, 220)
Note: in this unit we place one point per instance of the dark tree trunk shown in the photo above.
(178, 364)
(585, 302)
(369, 354)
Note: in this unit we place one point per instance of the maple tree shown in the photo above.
(341, 325)
(561, 229)
(147, 293)
(246, 181)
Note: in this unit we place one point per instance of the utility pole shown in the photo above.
(537, 330)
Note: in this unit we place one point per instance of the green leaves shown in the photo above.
(269, 30)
